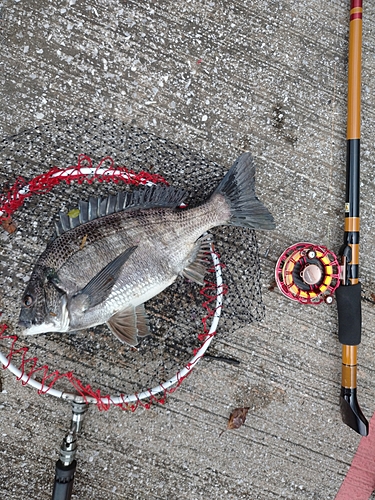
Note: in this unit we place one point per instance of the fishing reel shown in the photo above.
(308, 273)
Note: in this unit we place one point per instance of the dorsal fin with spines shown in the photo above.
(148, 197)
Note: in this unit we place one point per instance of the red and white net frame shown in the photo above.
(213, 293)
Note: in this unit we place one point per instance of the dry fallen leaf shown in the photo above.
(236, 419)
(8, 225)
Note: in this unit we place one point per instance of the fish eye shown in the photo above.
(28, 301)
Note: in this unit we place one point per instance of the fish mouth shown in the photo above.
(24, 324)
(42, 328)
(30, 328)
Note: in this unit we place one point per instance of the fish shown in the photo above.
(119, 252)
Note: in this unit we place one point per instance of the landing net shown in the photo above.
(92, 365)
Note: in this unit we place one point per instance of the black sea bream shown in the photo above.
(123, 250)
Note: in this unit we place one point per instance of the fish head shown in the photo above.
(43, 306)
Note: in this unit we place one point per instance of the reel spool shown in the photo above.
(308, 273)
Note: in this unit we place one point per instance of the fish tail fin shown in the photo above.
(238, 189)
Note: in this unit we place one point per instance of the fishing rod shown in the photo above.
(349, 294)
(312, 274)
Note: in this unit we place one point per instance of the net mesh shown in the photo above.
(93, 361)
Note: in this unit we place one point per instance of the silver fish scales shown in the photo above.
(123, 250)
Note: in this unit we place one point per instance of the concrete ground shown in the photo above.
(217, 78)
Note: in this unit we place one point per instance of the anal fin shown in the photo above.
(197, 268)
(130, 324)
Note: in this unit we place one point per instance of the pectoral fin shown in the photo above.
(99, 288)
(130, 324)
(197, 267)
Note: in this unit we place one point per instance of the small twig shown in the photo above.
(230, 361)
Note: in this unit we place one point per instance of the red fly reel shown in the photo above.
(308, 273)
